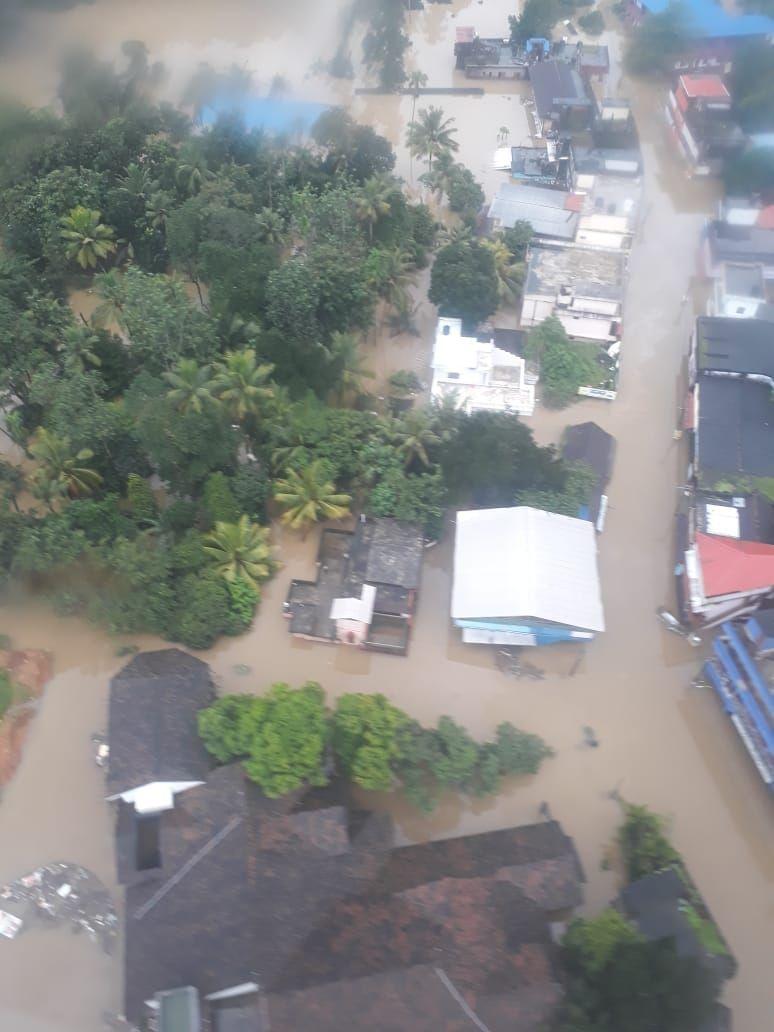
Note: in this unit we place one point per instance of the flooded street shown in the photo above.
(662, 742)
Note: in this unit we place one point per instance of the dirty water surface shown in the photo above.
(661, 741)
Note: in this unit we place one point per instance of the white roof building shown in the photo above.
(525, 576)
(479, 375)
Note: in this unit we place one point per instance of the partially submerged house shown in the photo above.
(301, 913)
(741, 670)
(549, 165)
(488, 58)
(366, 588)
(523, 576)
(727, 544)
(736, 243)
(479, 375)
(155, 749)
(562, 100)
(592, 60)
(553, 214)
(741, 292)
(591, 446)
(610, 212)
(698, 113)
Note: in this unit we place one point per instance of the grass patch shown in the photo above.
(706, 931)
(6, 693)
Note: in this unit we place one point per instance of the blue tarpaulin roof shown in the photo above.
(708, 20)
(274, 114)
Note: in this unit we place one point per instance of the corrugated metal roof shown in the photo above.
(526, 562)
(545, 210)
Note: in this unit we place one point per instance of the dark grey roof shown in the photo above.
(735, 435)
(394, 553)
(735, 345)
(656, 904)
(593, 446)
(152, 728)
(586, 273)
(306, 897)
(556, 84)
(653, 903)
(740, 243)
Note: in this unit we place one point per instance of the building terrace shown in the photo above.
(366, 587)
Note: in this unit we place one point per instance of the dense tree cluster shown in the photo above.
(288, 738)
(220, 369)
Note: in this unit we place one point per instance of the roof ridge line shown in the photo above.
(460, 999)
(208, 846)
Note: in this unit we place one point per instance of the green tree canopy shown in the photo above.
(464, 282)
(364, 738)
(564, 365)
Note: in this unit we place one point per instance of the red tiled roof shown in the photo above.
(465, 33)
(765, 218)
(729, 566)
(710, 87)
(574, 202)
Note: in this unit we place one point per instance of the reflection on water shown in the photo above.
(661, 741)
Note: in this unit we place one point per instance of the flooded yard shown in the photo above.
(661, 741)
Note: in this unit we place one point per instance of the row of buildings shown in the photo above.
(246, 913)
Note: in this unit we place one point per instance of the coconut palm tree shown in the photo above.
(431, 134)
(395, 274)
(345, 354)
(78, 349)
(190, 386)
(240, 384)
(192, 174)
(137, 181)
(240, 551)
(87, 240)
(414, 435)
(59, 471)
(415, 82)
(110, 287)
(308, 497)
(157, 209)
(372, 201)
(271, 227)
(510, 273)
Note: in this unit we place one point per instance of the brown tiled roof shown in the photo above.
(307, 897)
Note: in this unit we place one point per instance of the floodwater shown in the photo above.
(662, 741)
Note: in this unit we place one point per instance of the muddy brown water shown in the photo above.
(662, 742)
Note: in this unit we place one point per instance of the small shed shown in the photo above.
(592, 446)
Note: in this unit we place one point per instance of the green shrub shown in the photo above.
(593, 23)
(223, 727)
(6, 693)
(643, 843)
(218, 500)
(141, 501)
(188, 555)
(364, 738)
(251, 488)
(179, 516)
(202, 612)
(243, 599)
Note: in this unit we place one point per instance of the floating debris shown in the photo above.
(509, 662)
(62, 893)
(590, 737)
(242, 669)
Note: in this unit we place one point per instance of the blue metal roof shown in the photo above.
(708, 20)
(274, 114)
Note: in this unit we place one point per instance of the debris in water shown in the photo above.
(9, 925)
(590, 738)
(509, 662)
(242, 669)
(65, 893)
